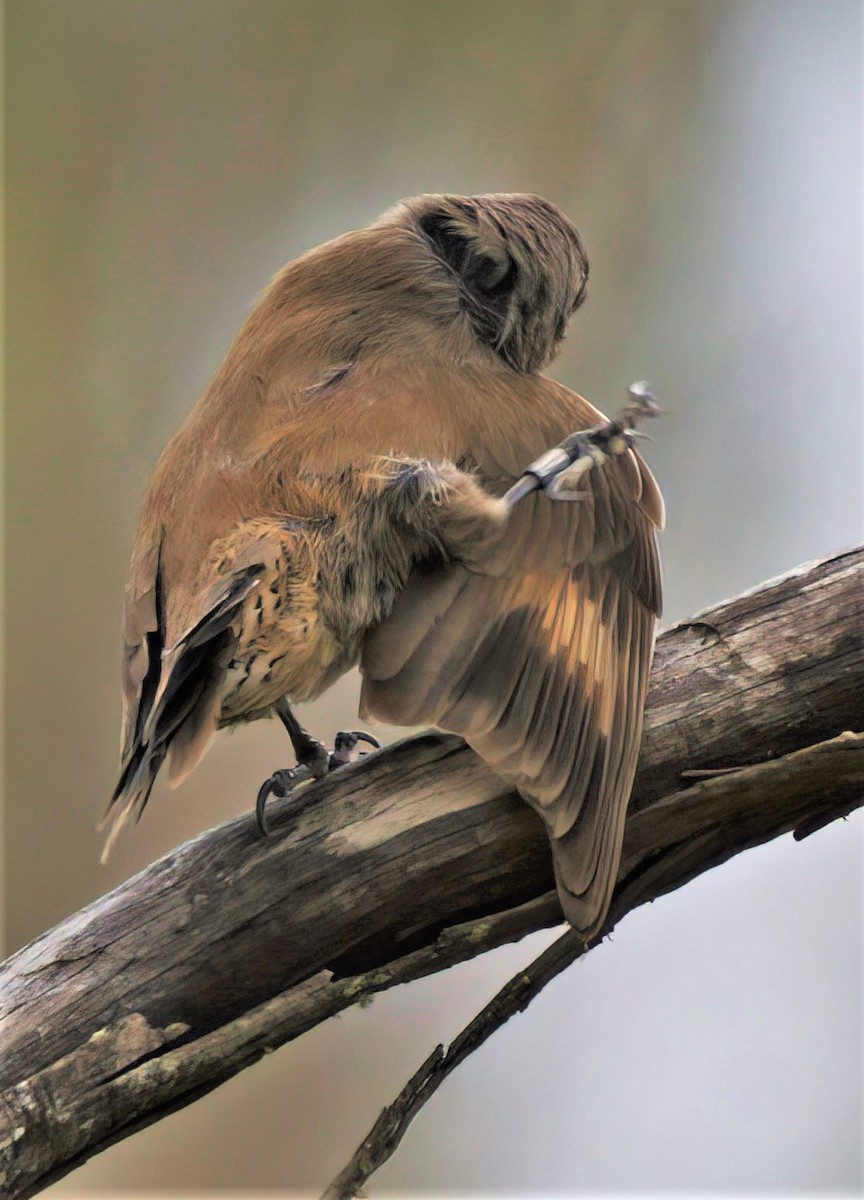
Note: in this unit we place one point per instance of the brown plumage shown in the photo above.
(333, 499)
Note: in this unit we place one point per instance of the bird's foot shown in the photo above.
(314, 761)
(558, 472)
(587, 449)
(344, 745)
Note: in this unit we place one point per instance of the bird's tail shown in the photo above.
(178, 706)
(131, 794)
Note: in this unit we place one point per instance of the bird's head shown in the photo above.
(518, 262)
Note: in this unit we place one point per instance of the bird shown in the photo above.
(349, 490)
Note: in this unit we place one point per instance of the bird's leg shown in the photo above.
(309, 752)
(314, 760)
(558, 471)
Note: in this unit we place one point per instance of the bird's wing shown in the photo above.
(542, 663)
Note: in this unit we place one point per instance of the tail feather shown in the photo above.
(131, 794)
(179, 699)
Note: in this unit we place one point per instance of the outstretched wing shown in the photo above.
(541, 663)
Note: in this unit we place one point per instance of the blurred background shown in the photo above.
(164, 160)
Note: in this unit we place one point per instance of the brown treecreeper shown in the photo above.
(352, 488)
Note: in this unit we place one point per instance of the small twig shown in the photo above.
(386, 1134)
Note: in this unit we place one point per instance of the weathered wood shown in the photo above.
(372, 865)
(130, 1075)
(767, 672)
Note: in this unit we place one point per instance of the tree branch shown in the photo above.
(801, 773)
(413, 860)
(387, 1132)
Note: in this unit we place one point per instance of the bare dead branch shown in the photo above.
(387, 1132)
(800, 773)
(416, 859)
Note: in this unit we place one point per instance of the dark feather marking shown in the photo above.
(609, 604)
(205, 652)
(330, 378)
(481, 678)
(154, 640)
(221, 616)
(189, 681)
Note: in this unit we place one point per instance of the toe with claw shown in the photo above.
(559, 471)
(278, 785)
(344, 745)
(314, 762)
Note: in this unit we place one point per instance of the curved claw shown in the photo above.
(279, 784)
(282, 782)
(264, 793)
(366, 737)
(345, 742)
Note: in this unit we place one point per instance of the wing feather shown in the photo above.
(539, 658)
